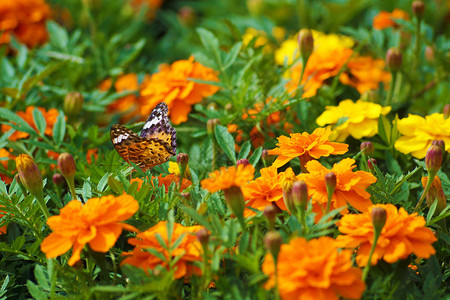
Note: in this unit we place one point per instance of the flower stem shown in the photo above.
(391, 87)
(71, 184)
(376, 235)
(41, 202)
(425, 191)
(416, 45)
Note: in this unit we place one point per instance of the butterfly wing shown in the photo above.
(158, 127)
(144, 152)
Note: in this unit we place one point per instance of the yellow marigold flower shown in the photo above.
(418, 133)
(261, 38)
(174, 169)
(350, 186)
(314, 269)
(306, 146)
(173, 86)
(50, 117)
(385, 19)
(188, 250)
(402, 235)
(227, 177)
(97, 223)
(264, 190)
(362, 119)
(25, 20)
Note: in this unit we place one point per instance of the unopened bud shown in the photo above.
(305, 44)
(29, 174)
(393, 59)
(330, 183)
(235, 200)
(273, 241)
(440, 144)
(370, 96)
(300, 194)
(446, 111)
(288, 182)
(435, 193)
(183, 161)
(267, 158)
(211, 126)
(73, 102)
(433, 159)
(270, 212)
(242, 161)
(58, 179)
(187, 16)
(371, 162)
(367, 148)
(203, 236)
(429, 53)
(66, 165)
(378, 215)
(418, 8)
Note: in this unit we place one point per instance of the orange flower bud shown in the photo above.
(367, 148)
(235, 200)
(371, 162)
(242, 161)
(73, 102)
(418, 8)
(435, 193)
(300, 194)
(378, 216)
(183, 160)
(66, 164)
(273, 241)
(393, 59)
(305, 44)
(29, 174)
(330, 182)
(433, 159)
(211, 125)
(288, 182)
(270, 212)
(203, 236)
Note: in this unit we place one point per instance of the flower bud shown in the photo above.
(393, 59)
(433, 159)
(435, 193)
(183, 160)
(242, 161)
(203, 236)
(440, 144)
(211, 125)
(288, 182)
(305, 44)
(235, 200)
(270, 212)
(267, 158)
(58, 179)
(73, 102)
(273, 241)
(300, 194)
(370, 96)
(29, 174)
(367, 148)
(330, 183)
(378, 215)
(446, 111)
(187, 16)
(187, 196)
(429, 53)
(371, 162)
(66, 165)
(418, 8)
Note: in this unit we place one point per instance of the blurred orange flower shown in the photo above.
(306, 146)
(365, 73)
(350, 186)
(25, 20)
(2, 228)
(91, 153)
(385, 19)
(264, 190)
(50, 117)
(402, 235)
(152, 6)
(186, 251)
(314, 269)
(173, 86)
(227, 177)
(5, 156)
(97, 223)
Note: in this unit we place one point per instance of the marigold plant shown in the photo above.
(361, 119)
(419, 132)
(402, 235)
(228, 177)
(350, 186)
(187, 250)
(314, 269)
(97, 223)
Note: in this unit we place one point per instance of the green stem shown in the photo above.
(416, 45)
(41, 202)
(425, 191)
(397, 88)
(391, 87)
(376, 235)
(71, 183)
(302, 218)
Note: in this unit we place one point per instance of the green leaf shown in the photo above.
(60, 129)
(232, 55)
(20, 124)
(58, 35)
(245, 150)
(226, 142)
(39, 120)
(254, 159)
(36, 291)
(34, 80)
(41, 278)
(211, 44)
(432, 210)
(384, 130)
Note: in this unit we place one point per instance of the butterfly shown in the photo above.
(155, 145)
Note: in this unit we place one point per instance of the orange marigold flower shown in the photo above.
(314, 270)
(171, 178)
(227, 177)
(385, 19)
(97, 223)
(365, 73)
(402, 235)
(172, 85)
(50, 117)
(306, 146)
(187, 251)
(91, 153)
(350, 186)
(25, 20)
(264, 190)
(152, 6)
(5, 156)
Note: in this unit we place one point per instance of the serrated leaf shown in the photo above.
(226, 142)
(232, 55)
(39, 120)
(211, 44)
(384, 129)
(41, 278)
(59, 130)
(58, 35)
(36, 291)
(255, 157)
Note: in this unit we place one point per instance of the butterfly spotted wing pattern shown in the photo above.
(155, 145)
